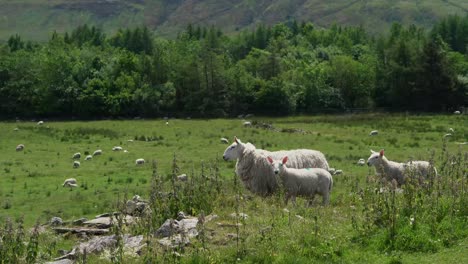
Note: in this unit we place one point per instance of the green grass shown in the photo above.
(355, 228)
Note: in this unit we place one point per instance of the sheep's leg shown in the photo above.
(326, 198)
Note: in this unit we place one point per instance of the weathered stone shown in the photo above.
(174, 241)
(79, 221)
(88, 231)
(240, 216)
(56, 221)
(106, 222)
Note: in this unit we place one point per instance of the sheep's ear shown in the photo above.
(237, 140)
(381, 153)
(285, 159)
(270, 159)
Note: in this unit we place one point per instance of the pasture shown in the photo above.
(361, 224)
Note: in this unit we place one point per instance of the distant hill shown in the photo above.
(36, 19)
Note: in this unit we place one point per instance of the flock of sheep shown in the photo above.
(304, 172)
(71, 182)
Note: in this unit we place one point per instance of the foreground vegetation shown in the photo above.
(362, 224)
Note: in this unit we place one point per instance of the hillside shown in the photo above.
(36, 19)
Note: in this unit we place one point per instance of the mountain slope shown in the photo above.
(36, 19)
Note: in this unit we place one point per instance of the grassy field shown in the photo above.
(361, 225)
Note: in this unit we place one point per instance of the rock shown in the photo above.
(106, 222)
(240, 216)
(174, 241)
(88, 231)
(180, 215)
(79, 221)
(62, 261)
(56, 221)
(182, 177)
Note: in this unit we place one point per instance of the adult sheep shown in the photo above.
(255, 171)
(392, 170)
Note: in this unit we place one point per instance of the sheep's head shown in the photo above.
(278, 165)
(375, 158)
(234, 151)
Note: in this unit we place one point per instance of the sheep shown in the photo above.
(40, 123)
(338, 172)
(457, 112)
(398, 171)
(224, 140)
(76, 164)
(305, 182)
(97, 152)
(451, 130)
(374, 133)
(76, 155)
(182, 177)
(139, 161)
(125, 151)
(247, 124)
(447, 135)
(254, 170)
(89, 157)
(117, 148)
(71, 182)
(20, 147)
(361, 162)
(16, 129)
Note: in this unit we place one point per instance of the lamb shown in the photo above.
(97, 152)
(139, 161)
(361, 162)
(71, 182)
(20, 147)
(374, 133)
(254, 170)
(117, 148)
(76, 164)
(457, 112)
(89, 157)
(40, 123)
(76, 155)
(305, 182)
(247, 124)
(399, 171)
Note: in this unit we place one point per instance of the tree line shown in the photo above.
(287, 68)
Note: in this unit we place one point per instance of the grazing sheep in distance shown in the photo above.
(20, 147)
(139, 161)
(451, 130)
(255, 171)
(391, 170)
(40, 123)
(304, 182)
(182, 177)
(361, 162)
(89, 157)
(374, 133)
(15, 129)
(76, 164)
(457, 112)
(76, 155)
(125, 151)
(117, 148)
(247, 124)
(71, 182)
(97, 152)
(224, 140)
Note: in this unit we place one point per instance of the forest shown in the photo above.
(285, 69)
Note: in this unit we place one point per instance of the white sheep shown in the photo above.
(338, 172)
(247, 124)
(374, 133)
(224, 140)
(139, 161)
(457, 112)
(15, 129)
(125, 151)
(182, 177)
(117, 148)
(303, 182)
(89, 157)
(97, 152)
(71, 182)
(20, 147)
(76, 164)
(361, 162)
(255, 171)
(451, 130)
(391, 170)
(76, 155)
(40, 123)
